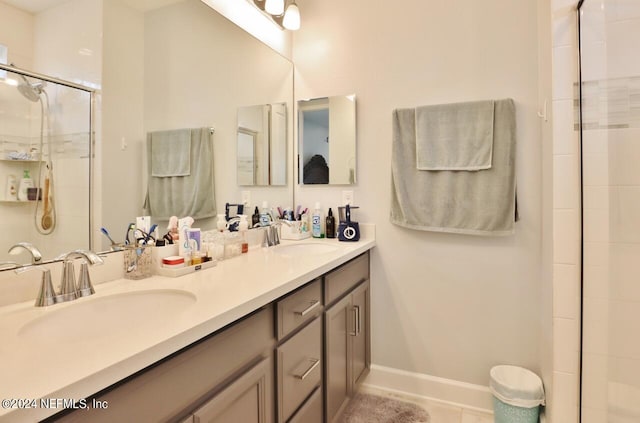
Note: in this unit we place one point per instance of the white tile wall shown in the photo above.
(566, 218)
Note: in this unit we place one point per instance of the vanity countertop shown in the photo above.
(73, 362)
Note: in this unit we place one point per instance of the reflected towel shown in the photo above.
(477, 203)
(170, 153)
(455, 136)
(191, 195)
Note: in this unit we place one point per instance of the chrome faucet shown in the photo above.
(36, 256)
(271, 237)
(68, 288)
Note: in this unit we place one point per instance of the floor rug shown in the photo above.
(365, 408)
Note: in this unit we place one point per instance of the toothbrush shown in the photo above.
(106, 233)
(148, 237)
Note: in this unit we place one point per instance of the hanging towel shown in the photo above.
(455, 136)
(170, 153)
(191, 195)
(477, 203)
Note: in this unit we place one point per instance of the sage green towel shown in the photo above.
(190, 195)
(477, 203)
(457, 136)
(170, 153)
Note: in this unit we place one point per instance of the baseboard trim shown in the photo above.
(426, 387)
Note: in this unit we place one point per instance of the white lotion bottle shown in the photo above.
(12, 189)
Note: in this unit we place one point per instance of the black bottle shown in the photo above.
(330, 225)
(255, 219)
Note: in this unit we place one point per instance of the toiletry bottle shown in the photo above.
(330, 225)
(265, 218)
(255, 219)
(25, 182)
(243, 226)
(316, 222)
(12, 189)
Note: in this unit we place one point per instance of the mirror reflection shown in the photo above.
(158, 66)
(327, 140)
(262, 145)
(44, 164)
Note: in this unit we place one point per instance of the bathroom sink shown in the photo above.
(306, 248)
(108, 316)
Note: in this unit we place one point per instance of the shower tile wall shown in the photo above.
(564, 392)
(611, 87)
(611, 183)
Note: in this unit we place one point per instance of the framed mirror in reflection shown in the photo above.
(327, 140)
(262, 145)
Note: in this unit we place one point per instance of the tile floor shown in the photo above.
(440, 412)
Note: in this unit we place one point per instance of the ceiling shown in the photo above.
(37, 6)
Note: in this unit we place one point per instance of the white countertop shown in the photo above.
(66, 364)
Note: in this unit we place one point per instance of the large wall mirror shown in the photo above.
(327, 140)
(157, 66)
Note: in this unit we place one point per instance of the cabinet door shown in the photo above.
(360, 360)
(338, 322)
(248, 400)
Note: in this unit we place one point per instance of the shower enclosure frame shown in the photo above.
(581, 179)
(92, 96)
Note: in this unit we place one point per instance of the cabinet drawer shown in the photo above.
(311, 411)
(298, 308)
(341, 280)
(299, 368)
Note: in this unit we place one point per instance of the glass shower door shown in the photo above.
(610, 112)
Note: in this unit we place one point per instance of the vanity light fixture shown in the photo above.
(274, 7)
(291, 19)
(285, 13)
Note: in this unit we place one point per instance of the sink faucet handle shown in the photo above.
(46, 295)
(85, 287)
(68, 289)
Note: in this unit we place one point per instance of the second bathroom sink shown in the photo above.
(305, 248)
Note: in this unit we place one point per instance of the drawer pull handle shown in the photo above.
(355, 310)
(312, 305)
(315, 362)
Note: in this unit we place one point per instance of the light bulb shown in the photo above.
(274, 7)
(291, 19)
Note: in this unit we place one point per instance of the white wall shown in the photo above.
(16, 32)
(122, 118)
(444, 305)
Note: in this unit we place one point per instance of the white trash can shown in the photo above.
(517, 394)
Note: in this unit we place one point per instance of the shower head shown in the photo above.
(31, 91)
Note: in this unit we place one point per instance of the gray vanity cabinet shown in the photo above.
(212, 370)
(347, 334)
(296, 360)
